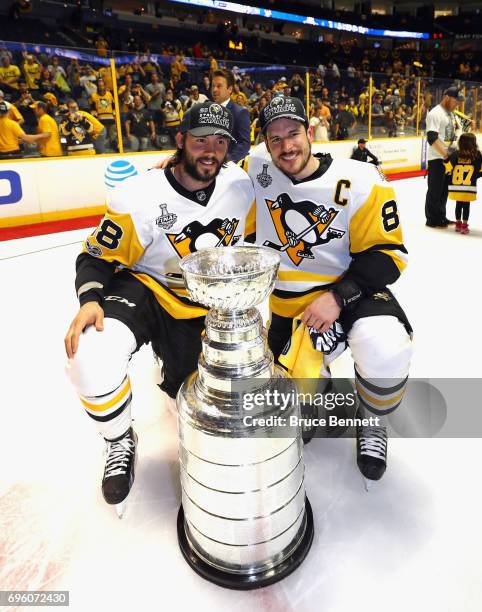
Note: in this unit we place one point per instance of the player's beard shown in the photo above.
(204, 175)
(302, 160)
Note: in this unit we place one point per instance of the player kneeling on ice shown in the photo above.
(130, 287)
(336, 226)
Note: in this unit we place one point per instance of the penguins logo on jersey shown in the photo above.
(195, 236)
(263, 178)
(301, 226)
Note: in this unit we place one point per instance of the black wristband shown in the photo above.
(347, 293)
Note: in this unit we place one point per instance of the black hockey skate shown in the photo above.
(119, 470)
(371, 451)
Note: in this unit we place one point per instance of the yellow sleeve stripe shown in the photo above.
(251, 220)
(399, 261)
(295, 275)
(175, 307)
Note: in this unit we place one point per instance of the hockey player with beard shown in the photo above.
(337, 228)
(130, 286)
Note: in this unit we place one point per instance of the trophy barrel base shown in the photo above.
(250, 581)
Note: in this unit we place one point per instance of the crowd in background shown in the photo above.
(153, 95)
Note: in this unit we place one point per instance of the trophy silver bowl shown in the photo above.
(245, 521)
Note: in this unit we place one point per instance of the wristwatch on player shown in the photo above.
(346, 293)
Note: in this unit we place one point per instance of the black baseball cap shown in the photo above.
(454, 92)
(283, 107)
(208, 119)
(361, 141)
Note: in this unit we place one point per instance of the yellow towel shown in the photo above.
(299, 356)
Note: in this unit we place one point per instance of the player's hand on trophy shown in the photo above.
(91, 313)
(322, 312)
(322, 214)
(292, 238)
(162, 163)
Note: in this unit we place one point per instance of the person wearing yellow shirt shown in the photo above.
(103, 107)
(102, 46)
(32, 70)
(11, 133)
(9, 75)
(105, 73)
(50, 147)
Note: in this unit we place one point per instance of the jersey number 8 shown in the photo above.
(109, 234)
(390, 216)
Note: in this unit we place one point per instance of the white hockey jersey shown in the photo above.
(152, 222)
(318, 226)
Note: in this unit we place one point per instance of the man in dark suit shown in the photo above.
(221, 89)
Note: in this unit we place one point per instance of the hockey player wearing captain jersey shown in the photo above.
(336, 226)
(129, 283)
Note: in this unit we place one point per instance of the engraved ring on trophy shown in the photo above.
(245, 521)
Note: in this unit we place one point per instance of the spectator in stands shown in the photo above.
(238, 96)
(24, 105)
(78, 133)
(11, 133)
(156, 90)
(320, 126)
(102, 46)
(140, 126)
(221, 89)
(46, 84)
(377, 112)
(172, 109)
(390, 124)
(246, 85)
(298, 89)
(103, 107)
(10, 75)
(195, 97)
(257, 93)
(98, 133)
(137, 73)
(205, 88)
(213, 65)
(32, 70)
(105, 73)
(13, 112)
(50, 146)
(342, 122)
(178, 66)
(138, 90)
(88, 79)
(125, 95)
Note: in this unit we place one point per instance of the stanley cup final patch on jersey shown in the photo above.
(195, 236)
(166, 219)
(263, 178)
(301, 226)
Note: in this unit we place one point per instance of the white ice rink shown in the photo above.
(414, 543)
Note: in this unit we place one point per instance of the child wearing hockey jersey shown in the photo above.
(464, 168)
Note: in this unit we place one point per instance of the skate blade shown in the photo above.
(368, 484)
(121, 509)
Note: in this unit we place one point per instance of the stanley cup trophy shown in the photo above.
(244, 521)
